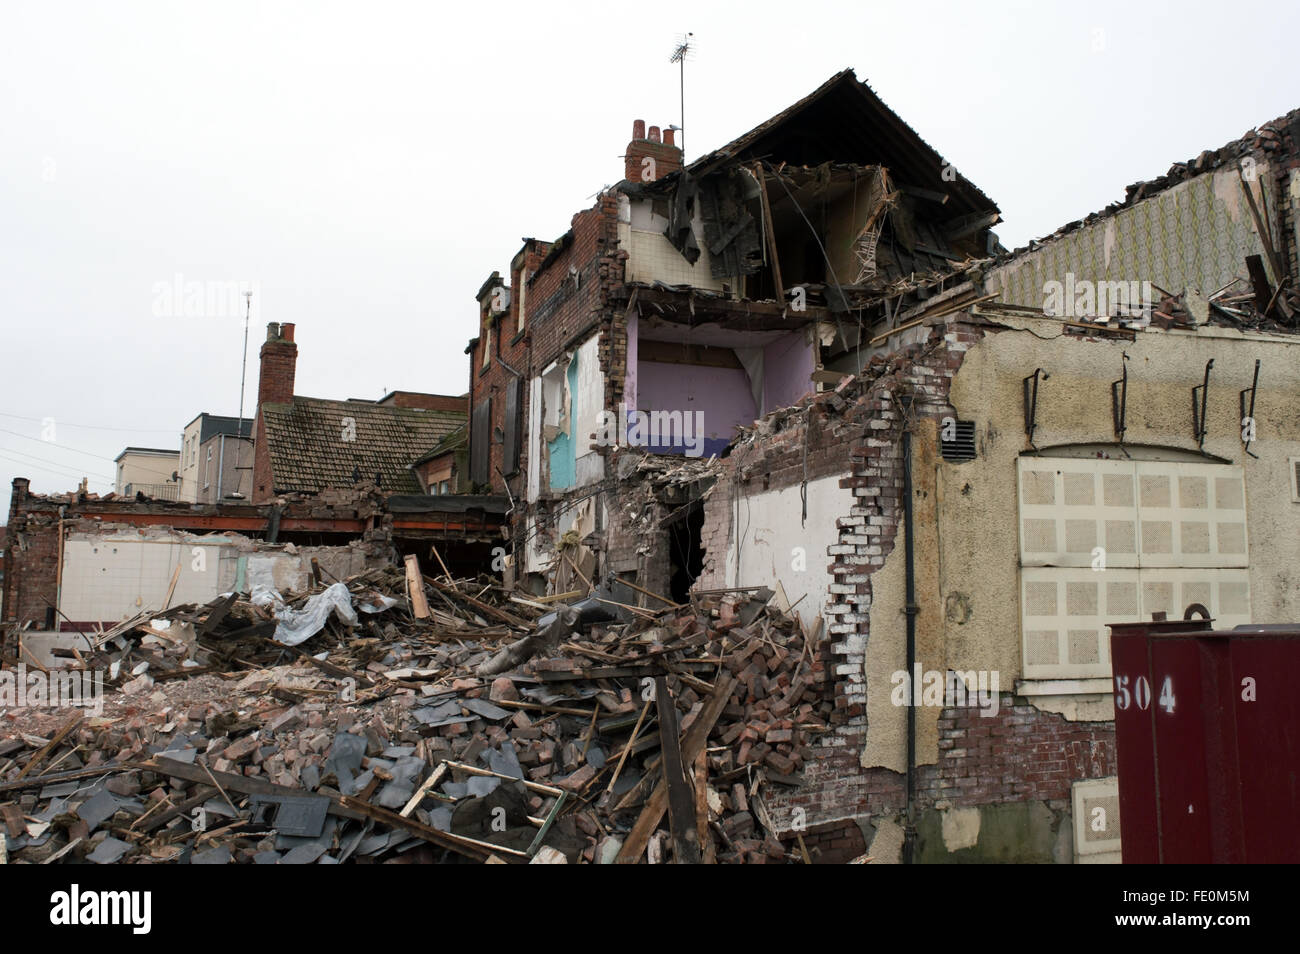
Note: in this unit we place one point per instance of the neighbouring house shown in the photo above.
(216, 459)
(445, 469)
(149, 471)
(804, 363)
(306, 445)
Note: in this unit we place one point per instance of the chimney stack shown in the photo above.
(648, 157)
(279, 357)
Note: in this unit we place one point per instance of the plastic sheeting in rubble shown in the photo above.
(295, 626)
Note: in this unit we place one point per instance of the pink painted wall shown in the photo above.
(787, 371)
(723, 394)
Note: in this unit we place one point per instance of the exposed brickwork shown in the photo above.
(428, 402)
(263, 482)
(32, 532)
(563, 306)
(279, 359)
(1021, 753)
(278, 366)
(1018, 754)
(507, 370)
(834, 844)
(664, 154)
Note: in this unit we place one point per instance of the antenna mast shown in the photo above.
(239, 422)
(681, 53)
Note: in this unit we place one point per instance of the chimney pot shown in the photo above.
(654, 133)
(286, 331)
(669, 135)
(638, 129)
(272, 330)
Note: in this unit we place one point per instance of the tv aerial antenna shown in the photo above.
(684, 50)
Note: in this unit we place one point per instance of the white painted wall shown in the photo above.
(587, 405)
(771, 535)
(534, 437)
(114, 575)
(110, 578)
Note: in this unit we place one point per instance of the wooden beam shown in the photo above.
(1265, 235)
(171, 589)
(672, 352)
(415, 588)
(695, 742)
(771, 232)
(484, 608)
(928, 194)
(681, 810)
(430, 783)
(465, 846)
(50, 746)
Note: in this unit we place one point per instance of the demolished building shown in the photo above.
(954, 463)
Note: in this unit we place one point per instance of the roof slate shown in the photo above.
(312, 445)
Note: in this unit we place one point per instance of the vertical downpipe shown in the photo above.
(911, 609)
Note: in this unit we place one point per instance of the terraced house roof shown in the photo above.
(314, 443)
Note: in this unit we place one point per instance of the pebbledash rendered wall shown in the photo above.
(995, 787)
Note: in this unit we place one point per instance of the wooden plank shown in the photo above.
(415, 588)
(194, 801)
(171, 589)
(771, 231)
(681, 809)
(50, 746)
(235, 783)
(662, 599)
(628, 748)
(485, 608)
(446, 572)
(430, 783)
(695, 742)
(469, 847)
(1265, 235)
(710, 856)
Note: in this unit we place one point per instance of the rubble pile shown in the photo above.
(444, 721)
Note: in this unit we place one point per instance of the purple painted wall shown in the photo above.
(630, 378)
(787, 371)
(722, 394)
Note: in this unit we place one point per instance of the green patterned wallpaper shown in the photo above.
(1193, 235)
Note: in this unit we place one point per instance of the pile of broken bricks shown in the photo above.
(652, 737)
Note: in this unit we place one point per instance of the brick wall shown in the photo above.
(648, 144)
(427, 402)
(32, 532)
(1020, 754)
(279, 359)
(561, 311)
(508, 354)
(263, 483)
(31, 559)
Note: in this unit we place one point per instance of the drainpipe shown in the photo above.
(911, 609)
(221, 466)
(58, 573)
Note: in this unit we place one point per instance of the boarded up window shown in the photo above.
(1108, 541)
(514, 405)
(480, 442)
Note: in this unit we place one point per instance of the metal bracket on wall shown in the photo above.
(1030, 384)
(1119, 401)
(1199, 426)
(1248, 412)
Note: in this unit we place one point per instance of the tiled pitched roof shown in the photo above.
(310, 449)
(454, 440)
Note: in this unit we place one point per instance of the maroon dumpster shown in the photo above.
(1207, 736)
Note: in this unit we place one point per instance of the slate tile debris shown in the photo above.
(458, 726)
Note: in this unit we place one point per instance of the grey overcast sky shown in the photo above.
(365, 166)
